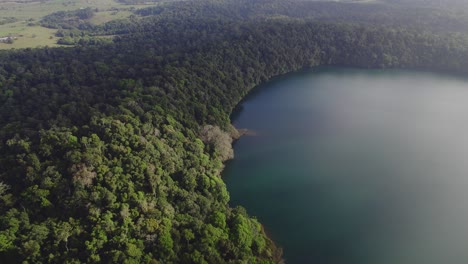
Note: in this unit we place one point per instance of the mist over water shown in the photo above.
(357, 166)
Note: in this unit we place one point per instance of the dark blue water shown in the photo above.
(357, 166)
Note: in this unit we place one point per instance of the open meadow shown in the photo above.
(20, 19)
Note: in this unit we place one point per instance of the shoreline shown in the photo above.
(276, 251)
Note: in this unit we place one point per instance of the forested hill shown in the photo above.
(112, 153)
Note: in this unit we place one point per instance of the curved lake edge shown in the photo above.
(317, 68)
(246, 131)
(277, 250)
(260, 88)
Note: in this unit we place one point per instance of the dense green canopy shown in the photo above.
(112, 151)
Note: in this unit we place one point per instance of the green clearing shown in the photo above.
(36, 9)
(31, 12)
(29, 37)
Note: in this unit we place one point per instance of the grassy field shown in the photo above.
(32, 12)
(35, 36)
(36, 9)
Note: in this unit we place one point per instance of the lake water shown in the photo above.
(357, 166)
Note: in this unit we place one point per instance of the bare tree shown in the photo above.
(220, 140)
(82, 174)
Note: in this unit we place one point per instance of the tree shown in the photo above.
(221, 141)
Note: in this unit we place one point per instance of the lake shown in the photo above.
(357, 166)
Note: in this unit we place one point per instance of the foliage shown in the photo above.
(220, 141)
(111, 152)
(67, 19)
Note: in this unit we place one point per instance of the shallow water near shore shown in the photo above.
(357, 166)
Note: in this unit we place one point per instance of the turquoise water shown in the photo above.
(357, 166)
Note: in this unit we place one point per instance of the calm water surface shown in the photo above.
(357, 166)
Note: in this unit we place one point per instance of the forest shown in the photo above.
(112, 150)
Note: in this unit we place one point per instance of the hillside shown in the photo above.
(55, 23)
(112, 151)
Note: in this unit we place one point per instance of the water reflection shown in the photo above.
(356, 166)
